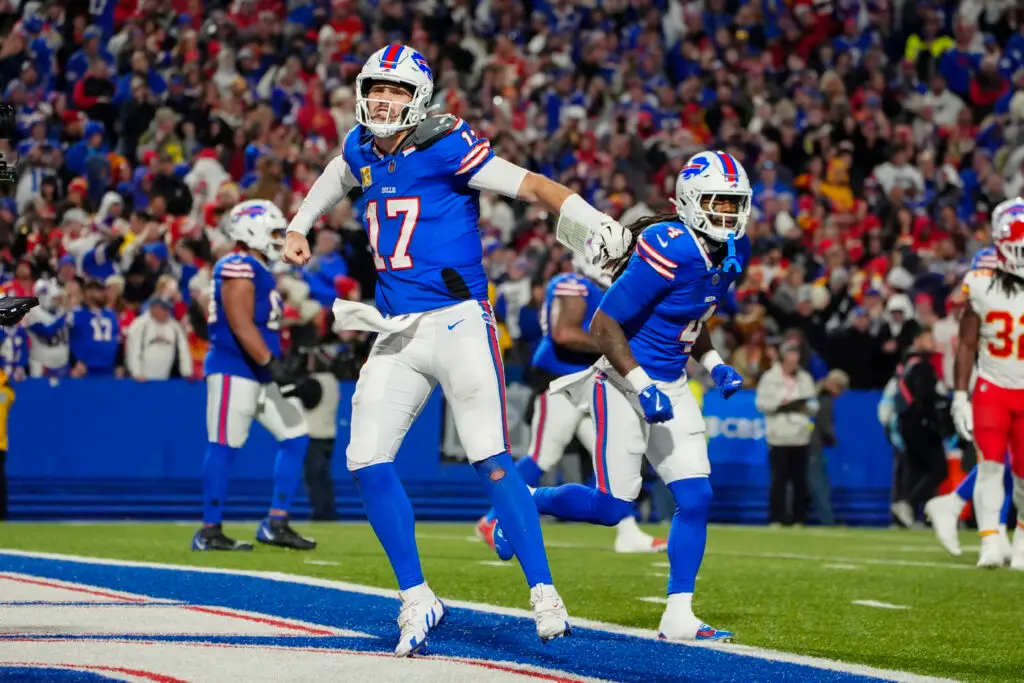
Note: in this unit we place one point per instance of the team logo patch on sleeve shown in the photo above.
(364, 172)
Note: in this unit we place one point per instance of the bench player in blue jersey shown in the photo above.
(421, 177)
(243, 369)
(648, 325)
(944, 511)
(570, 301)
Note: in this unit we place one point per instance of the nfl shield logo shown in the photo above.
(367, 178)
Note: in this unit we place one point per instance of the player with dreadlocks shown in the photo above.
(992, 331)
(647, 326)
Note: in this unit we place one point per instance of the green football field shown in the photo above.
(885, 598)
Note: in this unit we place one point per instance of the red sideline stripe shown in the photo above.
(73, 589)
(600, 449)
(540, 426)
(496, 666)
(500, 368)
(138, 673)
(269, 621)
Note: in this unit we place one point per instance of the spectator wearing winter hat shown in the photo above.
(156, 346)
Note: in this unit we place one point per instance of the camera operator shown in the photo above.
(319, 371)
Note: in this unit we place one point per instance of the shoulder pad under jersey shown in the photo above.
(432, 129)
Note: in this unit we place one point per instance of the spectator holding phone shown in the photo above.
(786, 395)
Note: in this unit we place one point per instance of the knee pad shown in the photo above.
(611, 510)
(693, 496)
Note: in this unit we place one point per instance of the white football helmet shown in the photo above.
(704, 179)
(1008, 234)
(49, 293)
(405, 66)
(259, 225)
(591, 271)
(998, 213)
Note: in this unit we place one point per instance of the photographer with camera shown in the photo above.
(318, 373)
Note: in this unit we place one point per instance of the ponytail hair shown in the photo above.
(618, 266)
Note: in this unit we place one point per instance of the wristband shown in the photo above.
(961, 395)
(638, 379)
(711, 360)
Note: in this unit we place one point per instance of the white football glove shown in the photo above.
(963, 415)
(609, 242)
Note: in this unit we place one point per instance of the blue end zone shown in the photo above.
(51, 675)
(465, 634)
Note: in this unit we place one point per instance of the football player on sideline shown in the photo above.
(421, 178)
(565, 349)
(994, 415)
(944, 511)
(243, 371)
(648, 325)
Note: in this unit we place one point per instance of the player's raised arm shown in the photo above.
(239, 297)
(334, 183)
(505, 178)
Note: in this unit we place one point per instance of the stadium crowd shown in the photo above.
(878, 136)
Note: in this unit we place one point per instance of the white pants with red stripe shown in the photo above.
(456, 347)
(232, 403)
(556, 420)
(676, 449)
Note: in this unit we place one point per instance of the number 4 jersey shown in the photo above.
(422, 218)
(669, 290)
(1000, 347)
(226, 355)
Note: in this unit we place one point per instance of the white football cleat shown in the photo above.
(944, 514)
(681, 627)
(1017, 559)
(644, 543)
(421, 613)
(550, 613)
(903, 513)
(991, 555)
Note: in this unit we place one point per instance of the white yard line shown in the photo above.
(878, 604)
(756, 652)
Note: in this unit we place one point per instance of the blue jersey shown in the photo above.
(549, 356)
(422, 219)
(226, 355)
(669, 289)
(102, 13)
(94, 338)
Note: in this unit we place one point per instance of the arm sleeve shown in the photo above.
(334, 183)
(499, 176)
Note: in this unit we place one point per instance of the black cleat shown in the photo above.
(213, 538)
(278, 532)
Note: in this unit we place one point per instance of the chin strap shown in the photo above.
(731, 262)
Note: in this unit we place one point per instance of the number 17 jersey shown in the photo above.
(226, 355)
(422, 218)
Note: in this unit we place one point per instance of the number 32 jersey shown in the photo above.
(226, 355)
(669, 290)
(1000, 350)
(421, 217)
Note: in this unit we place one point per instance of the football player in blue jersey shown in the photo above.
(570, 301)
(243, 373)
(944, 511)
(421, 178)
(650, 322)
